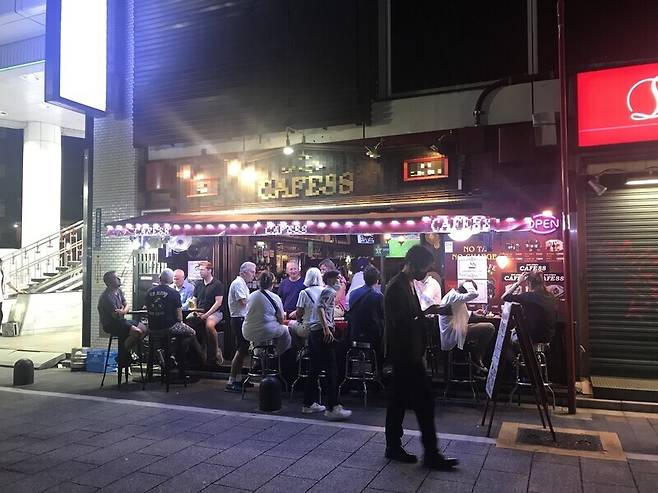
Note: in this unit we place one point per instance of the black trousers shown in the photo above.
(411, 390)
(323, 357)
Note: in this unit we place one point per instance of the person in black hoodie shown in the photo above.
(405, 345)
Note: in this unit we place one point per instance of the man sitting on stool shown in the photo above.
(455, 329)
(165, 312)
(112, 309)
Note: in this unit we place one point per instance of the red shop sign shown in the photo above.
(618, 105)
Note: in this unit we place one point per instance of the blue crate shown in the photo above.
(96, 361)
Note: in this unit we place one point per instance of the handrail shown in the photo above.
(57, 253)
(46, 239)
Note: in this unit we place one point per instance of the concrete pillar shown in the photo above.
(42, 174)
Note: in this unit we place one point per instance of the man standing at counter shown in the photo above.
(208, 295)
(290, 288)
(405, 344)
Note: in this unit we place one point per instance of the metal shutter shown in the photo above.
(622, 282)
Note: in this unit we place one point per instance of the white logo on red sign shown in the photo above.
(639, 89)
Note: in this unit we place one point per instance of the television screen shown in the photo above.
(399, 245)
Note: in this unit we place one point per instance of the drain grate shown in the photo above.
(566, 441)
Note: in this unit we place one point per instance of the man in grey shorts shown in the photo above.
(208, 297)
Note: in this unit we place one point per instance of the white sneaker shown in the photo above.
(338, 413)
(313, 408)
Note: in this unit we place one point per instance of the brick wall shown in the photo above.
(114, 191)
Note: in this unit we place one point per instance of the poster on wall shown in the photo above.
(472, 267)
(193, 270)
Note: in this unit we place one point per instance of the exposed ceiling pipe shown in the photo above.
(508, 81)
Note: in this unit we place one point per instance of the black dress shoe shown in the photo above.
(400, 455)
(440, 463)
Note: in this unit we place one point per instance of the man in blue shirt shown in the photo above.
(184, 287)
(290, 288)
(366, 314)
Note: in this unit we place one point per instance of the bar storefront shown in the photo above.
(334, 203)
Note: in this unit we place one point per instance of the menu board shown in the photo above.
(499, 349)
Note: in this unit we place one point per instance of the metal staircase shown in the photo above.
(50, 265)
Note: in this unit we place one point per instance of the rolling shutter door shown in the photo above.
(622, 282)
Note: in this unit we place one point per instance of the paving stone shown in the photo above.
(380, 437)
(606, 472)
(436, 485)
(16, 443)
(8, 477)
(507, 460)
(607, 488)
(71, 488)
(240, 453)
(38, 463)
(320, 430)
(137, 482)
(503, 482)
(13, 456)
(32, 483)
(567, 460)
(344, 480)
(286, 483)
(106, 439)
(195, 478)
(116, 450)
(347, 440)
(457, 446)
(400, 477)
(644, 466)
(295, 447)
(114, 470)
(316, 464)
(178, 462)
(548, 477)
(66, 470)
(220, 488)
(646, 483)
(468, 470)
(255, 473)
(175, 443)
(227, 439)
(279, 432)
(368, 458)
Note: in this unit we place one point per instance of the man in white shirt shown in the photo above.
(238, 294)
(455, 329)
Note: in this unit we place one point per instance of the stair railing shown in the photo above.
(58, 250)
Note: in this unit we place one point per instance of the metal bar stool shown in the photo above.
(121, 359)
(361, 365)
(265, 362)
(540, 350)
(460, 362)
(303, 367)
(160, 344)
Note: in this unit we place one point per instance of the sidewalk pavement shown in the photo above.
(64, 434)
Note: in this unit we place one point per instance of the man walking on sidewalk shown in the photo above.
(405, 345)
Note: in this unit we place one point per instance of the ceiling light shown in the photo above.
(234, 167)
(3, 113)
(373, 152)
(642, 181)
(288, 150)
(596, 185)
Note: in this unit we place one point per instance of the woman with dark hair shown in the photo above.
(264, 319)
(538, 303)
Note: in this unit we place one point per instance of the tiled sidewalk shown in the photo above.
(65, 444)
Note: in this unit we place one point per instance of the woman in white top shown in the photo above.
(264, 319)
(307, 313)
